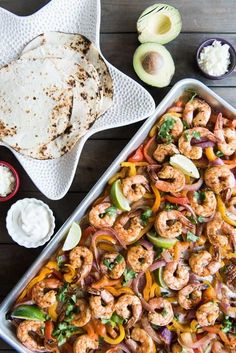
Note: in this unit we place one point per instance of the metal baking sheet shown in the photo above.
(7, 332)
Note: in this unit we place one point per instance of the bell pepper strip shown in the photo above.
(178, 200)
(210, 154)
(49, 326)
(148, 196)
(52, 265)
(179, 248)
(147, 288)
(137, 156)
(194, 325)
(217, 329)
(177, 326)
(209, 294)
(226, 161)
(230, 166)
(119, 291)
(52, 311)
(157, 202)
(105, 282)
(70, 275)
(120, 175)
(118, 339)
(146, 150)
(131, 166)
(155, 291)
(222, 210)
(99, 327)
(91, 331)
(106, 247)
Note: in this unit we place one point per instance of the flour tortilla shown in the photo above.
(35, 106)
(81, 45)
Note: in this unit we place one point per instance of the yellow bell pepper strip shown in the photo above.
(157, 202)
(147, 195)
(70, 275)
(119, 291)
(194, 325)
(106, 247)
(155, 291)
(52, 311)
(132, 166)
(120, 175)
(118, 339)
(210, 154)
(147, 288)
(105, 282)
(178, 327)
(222, 210)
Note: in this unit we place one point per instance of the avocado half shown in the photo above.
(154, 64)
(159, 23)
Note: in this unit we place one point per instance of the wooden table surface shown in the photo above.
(201, 19)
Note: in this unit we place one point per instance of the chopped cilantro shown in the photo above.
(176, 316)
(219, 154)
(200, 219)
(60, 260)
(226, 324)
(186, 125)
(146, 215)
(114, 320)
(64, 331)
(196, 135)
(108, 263)
(61, 296)
(192, 94)
(187, 136)
(166, 127)
(200, 196)
(192, 237)
(171, 206)
(111, 211)
(111, 264)
(164, 312)
(128, 275)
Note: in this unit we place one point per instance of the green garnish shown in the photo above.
(114, 320)
(61, 260)
(186, 125)
(164, 294)
(111, 211)
(110, 265)
(171, 206)
(64, 331)
(201, 219)
(196, 135)
(166, 127)
(200, 196)
(187, 136)
(192, 237)
(227, 324)
(146, 215)
(62, 293)
(219, 154)
(164, 312)
(192, 94)
(128, 275)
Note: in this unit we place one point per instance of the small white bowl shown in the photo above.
(18, 235)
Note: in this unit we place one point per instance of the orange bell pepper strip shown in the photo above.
(210, 154)
(70, 275)
(90, 330)
(99, 327)
(177, 200)
(118, 339)
(119, 291)
(49, 326)
(222, 210)
(179, 248)
(157, 202)
(105, 282)
(137, 156)
(147, 288)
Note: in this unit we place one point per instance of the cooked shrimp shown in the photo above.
(113, 264)
(203, 264)
(85, 344)
(44, 292)
(219, 178)
(190, 296)
(170, 179)
(219, 347)
(194, 151)
(129, 307)
(226, 137)
(207, 314)
(176, 275)
(174, 126)
(81, 258)
(133, 187)
(231, 205)
(197, 111)
(163, 312)
(170, 224)
(219, 232)
(83, 314)
(164, 150)
(101, 309)
(204, 206)
(230, 276)
(25, 332)
(146, 343)
(139, 258)
(128, 227)
(99, 218)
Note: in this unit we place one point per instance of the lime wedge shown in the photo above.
(159, 277)
(185, 165)
(73, 237)
(118, 198)
(28, 312)
(161, 242)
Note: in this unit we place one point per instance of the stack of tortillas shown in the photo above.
(52, 94)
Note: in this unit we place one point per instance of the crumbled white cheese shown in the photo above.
(7, 181)
(215, 59)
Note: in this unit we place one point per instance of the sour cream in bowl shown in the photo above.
(9, 181)
(30, 223)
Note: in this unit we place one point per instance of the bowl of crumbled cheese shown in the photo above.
(216, 58)
(9, 181)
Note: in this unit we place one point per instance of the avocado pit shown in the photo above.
(152, 62)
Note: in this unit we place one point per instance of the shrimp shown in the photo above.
(169, 224)
(128, 227)
(81, 258)
(25, 332)
(129, 307)
(146, 343)
(173, 126)
(226, 137)
(99, 218)
(164, 150)
(197, 111)
(134, 188)
(204, 206)
(203, 264)
(170, 179)
(85, 344)
(194, 151)
(190, 296)
(207, 314)
(44, 293)
(177, 348)
(163, 312)
(218, 347)
(219, 178)
(83, 314)
(139, 258)
(230, 276)
(231, 205)
(113, 264)
(176, 275)
(219, 232)
(102, 308)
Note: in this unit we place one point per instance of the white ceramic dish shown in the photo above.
(70, 16)
(6, 329)
(17, 234)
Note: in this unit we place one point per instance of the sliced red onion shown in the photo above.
(24, 302)
(132, 345)
(112, 232)
(146, 244)
(167, 256)
(194, 187)
(145, 151)
(216, 162)
(189, 208)
(150, 331)
(123, 347)
(106, 296)
(204, 144)
(157, 264)
(135, 286)
(165, 335)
